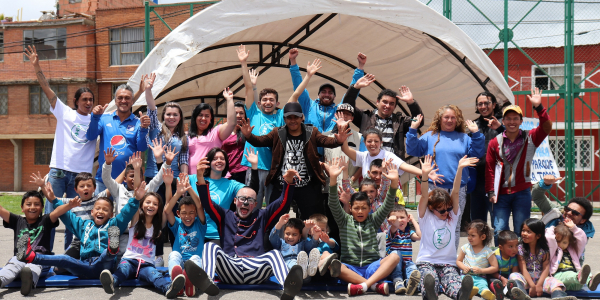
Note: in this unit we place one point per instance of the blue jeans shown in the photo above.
(519, 204)
(175, 259)
(100, 187)
(128, 268)
(403, 270)
(62, 182)
(84, 269)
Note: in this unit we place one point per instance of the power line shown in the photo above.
(90, 45)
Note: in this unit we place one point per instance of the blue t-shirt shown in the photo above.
(189, 240)
(325, 247)
(222, 192)
(125, 137)
(263, 124)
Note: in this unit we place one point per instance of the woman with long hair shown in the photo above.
(234, 146)
(447, 141)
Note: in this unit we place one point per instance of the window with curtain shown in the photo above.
(50, 43)
(1, 46)
(38, 102)
(4, 100)
(127, 46)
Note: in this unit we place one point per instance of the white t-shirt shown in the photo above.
(140, 249)
(71, 150)
(438, 245)
(364, 159)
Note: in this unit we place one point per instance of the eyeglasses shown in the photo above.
(443, 211)
(248, 200)
(482, 104)
(574, 212)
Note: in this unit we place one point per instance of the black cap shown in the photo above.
(326, 85)
(292, 109)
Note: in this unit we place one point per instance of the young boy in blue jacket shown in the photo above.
(99, 237)
(293, 246)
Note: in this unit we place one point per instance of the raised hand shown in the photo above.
(311, 69)
(493, 123)
(344, 195)
(170, 154)
(284, 219)
(293, 54)
(416, 122)
(405, 95)
(140, 192)
(569, 223)
(341, 123)
(435, 177)
(136, 160)
(472, 126)
(334, 168)
(228, 94)
(110, 155)
(32, 55)
(364, 81)
(144, 120)
(394, 221)
(550, 179)
(245, 128)
(426, 166)
(75, 202)
(290, 174)
(157, 148)
(324, 236)
(536, 97)
(410, 219)
(202, 165)
(37, 179)
(48, 192)
(168, 176)
(467, 162)
(182, 182)
(99, 109)
(342, 134)
(242, 53)
(316, 232)
(149, 81)
(362, 60)
(343, 163)
(251, 156)
(309, 224)
(253, 76)
(391, 172)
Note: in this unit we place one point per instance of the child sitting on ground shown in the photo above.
(399, 240)
(293, 246)
(477, 259)
(316, 228)
(35, 226)
(506, 255)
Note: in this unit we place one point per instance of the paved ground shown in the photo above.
(6, 251)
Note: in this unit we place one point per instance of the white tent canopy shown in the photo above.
(406, 42)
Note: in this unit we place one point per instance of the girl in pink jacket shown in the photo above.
(567, 242)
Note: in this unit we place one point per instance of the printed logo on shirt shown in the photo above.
(118, 142)
(215, 197)
(189, 241)
(144, 248)
(130, 129)
(108, 125)
(441, 237)
(78, 132)
(265, 128)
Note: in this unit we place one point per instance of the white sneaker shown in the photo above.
(313, 261)
(302, 261)
(159, 262)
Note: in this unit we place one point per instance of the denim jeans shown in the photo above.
(403, 270)
(128, 269)
(175, 259)
(519, 204)
(100, 187)
(84, 269)
(62, 182)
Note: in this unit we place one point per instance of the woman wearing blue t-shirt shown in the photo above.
(447, 141)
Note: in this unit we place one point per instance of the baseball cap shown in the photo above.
(514, 108)
(326, 85)
(347, 107)
(292, 109)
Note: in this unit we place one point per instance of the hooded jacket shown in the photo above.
(556, 253)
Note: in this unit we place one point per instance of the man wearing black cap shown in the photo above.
(321, 111)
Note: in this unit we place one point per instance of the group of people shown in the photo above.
(204, 189)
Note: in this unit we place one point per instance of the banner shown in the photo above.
(543, 161)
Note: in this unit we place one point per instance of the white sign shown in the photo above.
(543, 162)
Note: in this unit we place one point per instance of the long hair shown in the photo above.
(193, 127)
(241, 140)
(436, 124)
(538, 228)
(565, 233)
(210, 156)
(140, 226)
(78, 94)
(492, 98)
(179, 128)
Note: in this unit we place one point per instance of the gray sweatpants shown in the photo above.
(13, 268)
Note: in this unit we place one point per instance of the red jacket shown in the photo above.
(520, 177)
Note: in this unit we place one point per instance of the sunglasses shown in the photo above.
(443, 211)
(572, 211)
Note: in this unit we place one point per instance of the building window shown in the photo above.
(49, 43)
(556, 72)
(583, 152)
(74, 1)
(1, 46)
(43, 152)
(127, 46)
(115, 85)
(4, 100)
(39, 103)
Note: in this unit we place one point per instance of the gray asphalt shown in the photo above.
(592, 257)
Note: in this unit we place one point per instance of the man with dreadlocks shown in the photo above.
(447, 140)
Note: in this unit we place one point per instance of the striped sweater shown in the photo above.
(359, 240)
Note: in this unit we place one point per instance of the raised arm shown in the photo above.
(136, 161)
(304, 98)
(417, 235)
(414, 145)
(111, 184)
(61, 210)
(426, 168)
(335, 170)
(391, 173)
(311, 69)
(226, 129)
(148, 84)
(257, 141)
(463, 163)
(243, 57)
(32, 55)
(95, 127)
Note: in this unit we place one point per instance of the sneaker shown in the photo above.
(313, 261)
(413, 282)
(200, 279)
(382, 288)
(518, 294)
(159, 261)
(176, 286)
(509, 287)
(113, 239)
(399, 288)
(594, 282)
(474, 292)
(335, 269)
(176, 271)
(26, 281)
(430, 290)
(498, 289)
(355, 289)
(584, 273)
(466, 288)
(560, 295)
(24, 252)
(302, 261)
(293, 283)
(488, 295)
(325, 263)
(190, 289)
(107, 281)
